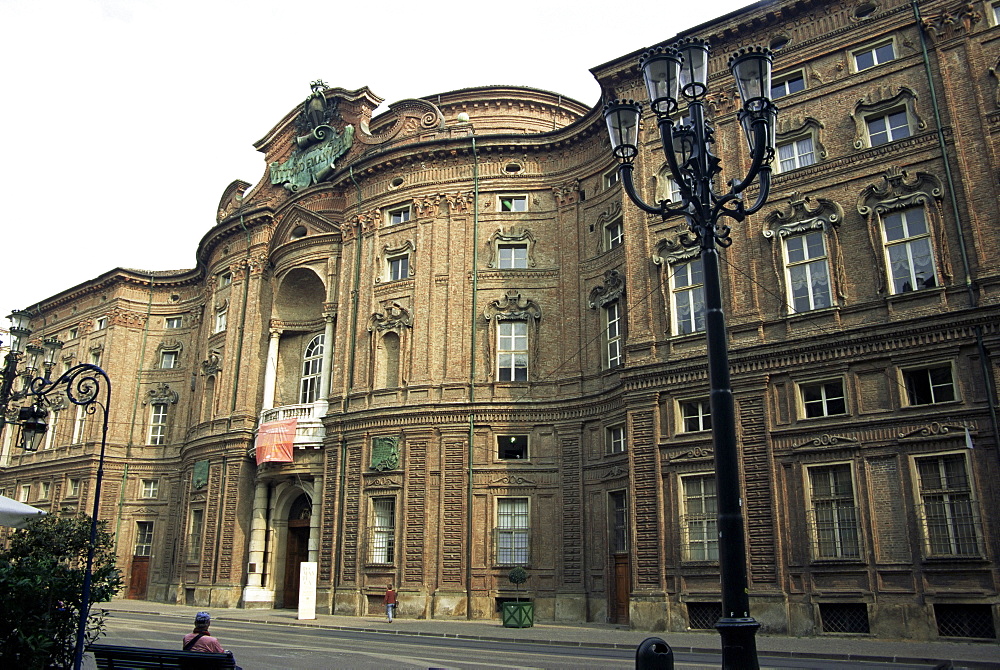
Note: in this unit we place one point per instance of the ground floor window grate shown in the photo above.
(844, 617)
(703, 616)
(965, 621)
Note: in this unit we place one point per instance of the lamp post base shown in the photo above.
(739, 644)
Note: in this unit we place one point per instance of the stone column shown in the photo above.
(314, 519)
(255, 595)
(271, 369)
(324, 380)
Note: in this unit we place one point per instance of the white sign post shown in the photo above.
(307, 590)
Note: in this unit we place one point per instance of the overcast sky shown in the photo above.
(124, 120)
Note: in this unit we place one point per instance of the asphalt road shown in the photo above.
(283, 647)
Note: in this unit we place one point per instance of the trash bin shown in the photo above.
(654, 654)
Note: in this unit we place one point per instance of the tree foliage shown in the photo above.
(41, 588)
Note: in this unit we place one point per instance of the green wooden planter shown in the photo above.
(519, 615)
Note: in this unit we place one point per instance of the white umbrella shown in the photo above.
(16, 514)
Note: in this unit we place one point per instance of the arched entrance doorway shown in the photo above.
(296, 549)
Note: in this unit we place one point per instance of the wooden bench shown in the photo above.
(140, 658)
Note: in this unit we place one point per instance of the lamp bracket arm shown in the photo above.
(762, 193)
(625, 170)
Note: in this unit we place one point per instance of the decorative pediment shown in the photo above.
(899, 189)
(290, 225)
(170, 345)
(791, 127)
(826, 440)
(232, 199)
(681, 246)
(405, 117)
(803, 213)
(952, 22)
(513, 235)
(161, 395)
(697, 453)
(511, 480)
(611, 290)
(513, 307)
(144, 511)
(616, 472)
(392, 317)
(610, 214)
(383, 482)
(934, 429)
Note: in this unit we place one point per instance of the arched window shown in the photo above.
(312, 369)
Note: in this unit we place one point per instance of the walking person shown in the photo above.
(390, 603)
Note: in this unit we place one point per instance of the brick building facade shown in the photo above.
(492, 358)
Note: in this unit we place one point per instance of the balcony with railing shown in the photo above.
(308, 418)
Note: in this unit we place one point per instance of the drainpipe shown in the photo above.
(472, 376)
(984, 357)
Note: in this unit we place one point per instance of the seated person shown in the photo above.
(199, 639)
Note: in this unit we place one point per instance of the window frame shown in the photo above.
(891, 132)
(24, 493)
(101, 323)
(909, 242)
(824, 401)
(809, 263)
(783, 79)
(72, 487)
(382, 536)
(614, 439)
(508, 359)
(907, 372)
(873, 48)
(703, 414)
(143, 545)
(397, 264)
(149, 489)
(614, 337)
(950, 496)
(691, 289)
(171, 356)
(706, 522)
(516, 551)
(844, 520)
(225, 279)
(44, 490)
(515, 198)
(512, 261)
(221, 320)
(195, 533)
(173, 322)
(158, 414)
(312, 369)
(522, 439)
(796, 156)
(614, 233)
(611, 178)
(405, 213)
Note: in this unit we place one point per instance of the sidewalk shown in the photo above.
(958, 654)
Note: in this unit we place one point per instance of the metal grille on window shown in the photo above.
(950, 516)
(844, 617)
(965, 621)
(703, 616)
(383, 533)
(512, 531)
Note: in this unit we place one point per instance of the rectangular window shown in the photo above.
(614, 234)
(512, 351)
(786, 85)
(225, 279)
(928, 386)
(615, 439)
(996, 13)
(101, 323)
(45, 491)
(821, 399)
(701, 542)
(613, 334)
(172, 322)
(220, 320)
(399, 267)
(795, 154)
(24, 493)
(807, 272)
(512, 256)
(150, 488)
(398, 215)
(689, 297)
(887, 128)
(95, 357)
(909, 259)
(382, 547)
(696, 415)
(611, 179)
(834, 513)
(143, 538)
(73, 488)
(947, 509)
(196, 525)
(513, 203)
(873, 55)
(168, 359)
(73, 333)
(512, 531)
(512, 447)
(158, 423)
(619, 522)
(78, 425)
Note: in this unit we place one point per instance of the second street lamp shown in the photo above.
(676, 76)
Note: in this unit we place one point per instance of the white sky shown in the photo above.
(124, 120)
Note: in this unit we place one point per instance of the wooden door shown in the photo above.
(140, 578)
(296, 552)
(622, 587)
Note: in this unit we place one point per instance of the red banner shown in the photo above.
(274, 441)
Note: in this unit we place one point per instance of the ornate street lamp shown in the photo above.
(83, 385)
(677, 75)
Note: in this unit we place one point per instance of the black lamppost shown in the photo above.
(82, 385)
(675, 75)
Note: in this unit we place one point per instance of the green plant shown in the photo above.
(517, 576)
(41, 588)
